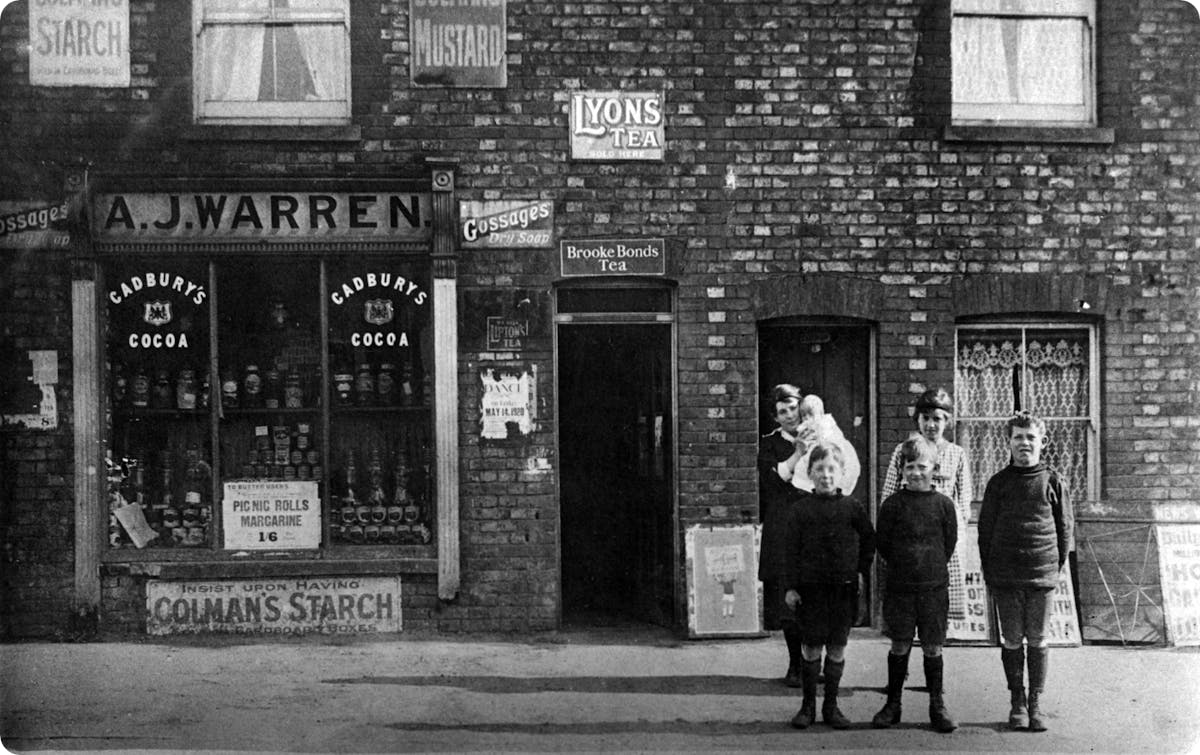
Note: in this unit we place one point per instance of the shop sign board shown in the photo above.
(507, 402)
(1179, 569)
(458, 43)
(261, 216)
(274, 606)
(79, 43)
(613, 125)
(271, 515)
(506, 224)
(34, 224)
(581, 257)
(724, 594)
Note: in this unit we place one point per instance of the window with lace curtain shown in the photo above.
(1047, 370)
(284, 62)
(1023, 62)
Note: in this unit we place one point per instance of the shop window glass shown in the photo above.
(1048, 371)
(1023, 62)
(269, 355)
(272, 61)
(159, 393)
(254, 437)
(381, 445)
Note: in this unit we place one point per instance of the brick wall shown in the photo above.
(36, 477)
(806, 174)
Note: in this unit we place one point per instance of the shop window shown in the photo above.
(1047, 370)
(1023, 62)
(302, 421)
(281, 62)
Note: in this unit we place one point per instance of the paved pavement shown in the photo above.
(571, 691)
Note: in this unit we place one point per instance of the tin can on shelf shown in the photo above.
(385, 384)
(229, 389)
(293, 391)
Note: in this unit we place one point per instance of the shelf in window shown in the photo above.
(381, 409)
(260, 411)
(137, 412)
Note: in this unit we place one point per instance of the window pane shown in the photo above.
(1018, 60)
(381, 442)
(988, 373)
(160, 484)
(258, 57)
(1057, 373)
(269, 352)
(1066, 449)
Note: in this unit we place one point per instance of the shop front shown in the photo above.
(278, 452)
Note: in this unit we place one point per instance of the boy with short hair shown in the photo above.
(1025, 534)
(916, 531)
(830, 542)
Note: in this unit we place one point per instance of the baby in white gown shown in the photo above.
(812, 413)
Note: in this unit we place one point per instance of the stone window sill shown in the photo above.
(1028, 135)
(272, 133)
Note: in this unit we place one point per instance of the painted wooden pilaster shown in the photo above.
(445, 343)
(90, 508)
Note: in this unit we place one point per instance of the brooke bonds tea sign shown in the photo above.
(617, 126)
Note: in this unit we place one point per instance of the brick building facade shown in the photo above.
(826, 219)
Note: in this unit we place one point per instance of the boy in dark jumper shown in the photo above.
(1025, 534)
(916, 531)
(830, 542)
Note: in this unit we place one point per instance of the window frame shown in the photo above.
(1091, 421)
(1035, 115)
(269, 113)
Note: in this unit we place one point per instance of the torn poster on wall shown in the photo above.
(507, 401)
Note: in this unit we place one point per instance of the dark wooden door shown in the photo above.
(617, 546)
(831, 361)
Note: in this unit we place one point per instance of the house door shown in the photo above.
(615, 424)
(834, 362)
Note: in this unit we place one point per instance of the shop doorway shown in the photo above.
(834, 361)
(616, 465)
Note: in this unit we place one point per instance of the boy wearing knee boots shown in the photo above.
(916, 532)
(1025, 534)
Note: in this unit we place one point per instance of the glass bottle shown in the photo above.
(350, 502)
(120, 386)
(205, 391)
(293, 390)
(400, 498)
(161, 394)
(272, 389)
(229, 389)
(376, 500)
(406, 384)
(343, 387)
(252, 387)
(185, 390)
(364, 386)
(139, 395)
(385, 385)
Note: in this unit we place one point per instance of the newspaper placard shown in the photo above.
(977, 625)
(1179, 570)
(1064, 620)
(274, 606)
(724, 594)
(271, 515)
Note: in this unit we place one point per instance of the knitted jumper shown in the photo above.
(1025, 527)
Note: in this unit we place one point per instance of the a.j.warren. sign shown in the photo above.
(458, 43)
(613, 257)
(617, 126)
(310, 605)
(283, 216)
(78, 43)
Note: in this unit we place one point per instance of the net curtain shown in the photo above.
(999, 375)
(235, 51)
(1010, 60)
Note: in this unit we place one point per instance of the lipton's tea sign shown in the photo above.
(617, 126)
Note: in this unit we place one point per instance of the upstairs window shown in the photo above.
(284, 62)
(1023, 62)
